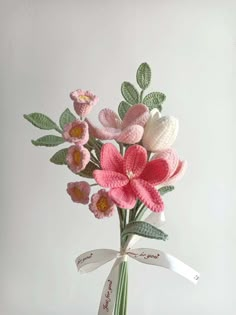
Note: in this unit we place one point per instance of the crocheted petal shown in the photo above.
(130, 135)
(135, 160)
(179, 173)
(108, 118)
(124, 197)
(160, 133)
(111, 159)
(136, 115)
(147, 194)
(106, 133)
(102, 133)
(110, 179)
(156, 172)
(171, 156)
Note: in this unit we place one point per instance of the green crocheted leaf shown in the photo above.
(144, 229)
(48, 141)
(66, 118)
(59, 157)
(154, 100)
(143, 75)
(88, 171)
(123, 108)
(41, 121)
(165, 189)
(129, 93)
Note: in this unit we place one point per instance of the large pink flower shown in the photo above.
(129, 131)
(83, 101)
(132, 177)
(177, 167)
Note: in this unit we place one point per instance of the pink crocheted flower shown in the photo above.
(129, 131)
(79, 191)
(77, 158)
(132, 177)
(76, 132)
(177, 167)
(83, 101)
(101, 204)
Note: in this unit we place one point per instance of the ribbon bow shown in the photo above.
(94, 259)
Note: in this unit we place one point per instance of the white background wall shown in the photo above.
(49, 48)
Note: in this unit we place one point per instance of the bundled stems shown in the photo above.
(122, 286)
(122, 290)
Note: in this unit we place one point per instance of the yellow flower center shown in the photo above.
(77, 157)
(78, 193)
(76, 132)
(84, 98)
(103, 204)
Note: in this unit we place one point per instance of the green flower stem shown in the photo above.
(136, 209)
(119, 288)
(141, 96)
(88, 146)
(96, 144)
(124, 215)
(94, 159)
(140, 213)
(131, 215)
(133, 212)
(121, 148)
(121, 295)
(93, 144)
(124, 295)
(122, 289)
(121, 219)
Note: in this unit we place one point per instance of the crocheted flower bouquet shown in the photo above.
(132, 165)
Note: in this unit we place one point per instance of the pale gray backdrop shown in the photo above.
(49, 48)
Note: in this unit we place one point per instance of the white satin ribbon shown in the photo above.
(94, 259)
(110, 288)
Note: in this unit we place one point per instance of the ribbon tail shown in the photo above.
(161, 259)
(109, 290)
